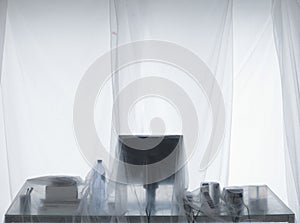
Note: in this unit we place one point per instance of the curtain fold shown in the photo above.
(3, 13)
(257, 120)
(286, 23)
(205, 28)
(4, 168)
(48, 48)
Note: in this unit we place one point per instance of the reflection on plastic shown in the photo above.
(171, 205)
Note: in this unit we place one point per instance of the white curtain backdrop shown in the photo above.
(146, 20)
(3, 10)
(257, 123)
(286, 20)
(49, 45)
(4, 186)
(136, 20)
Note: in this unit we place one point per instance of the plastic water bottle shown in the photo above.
(98, 186)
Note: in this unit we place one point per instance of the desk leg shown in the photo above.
(292, 219)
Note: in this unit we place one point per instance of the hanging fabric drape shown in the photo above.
(286, 22)
(257, 104)
(152, 107)
(3, 8)
(47, 51)
(204, 29)
(5, 185)
(50, 46)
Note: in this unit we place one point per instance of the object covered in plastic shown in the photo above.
(132, 194)
(101, 199)
(262, 205)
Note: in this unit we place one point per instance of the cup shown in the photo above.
(214, 192)
(233, 197)
(25, 202)
(213, 189)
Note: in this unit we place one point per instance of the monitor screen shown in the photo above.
(147, 150)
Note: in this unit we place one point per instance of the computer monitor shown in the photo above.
(149, 149)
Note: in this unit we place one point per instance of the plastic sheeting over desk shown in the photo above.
(130, 191)
(260, 204)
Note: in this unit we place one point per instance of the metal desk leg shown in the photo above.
(292, 219)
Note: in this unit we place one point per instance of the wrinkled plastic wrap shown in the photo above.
(135, 196)
(127, 203)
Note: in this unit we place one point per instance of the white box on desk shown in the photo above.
(61, 193)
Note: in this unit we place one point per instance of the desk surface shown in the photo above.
(268, 208)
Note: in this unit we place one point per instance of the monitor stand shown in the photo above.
(150, 197)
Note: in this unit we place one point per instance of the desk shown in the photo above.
(274, 211)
